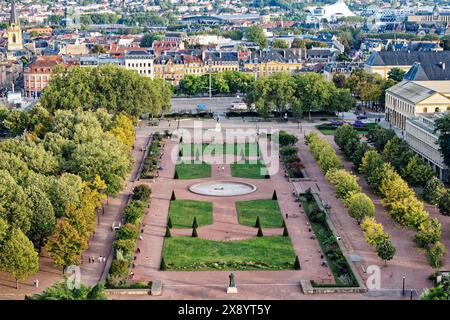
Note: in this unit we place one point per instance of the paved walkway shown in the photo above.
(100, 243)
(212, 284)
(409, 261)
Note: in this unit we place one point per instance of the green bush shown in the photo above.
(435, 254)
(119, 270)
(127, 232)
(288, 151)
(126, 246)
(429, 232)
(141, 192)
(286, 139)
(134, 211)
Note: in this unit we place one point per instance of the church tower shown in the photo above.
(14, 30)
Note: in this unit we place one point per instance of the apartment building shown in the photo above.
(421, 137)
(38, 74)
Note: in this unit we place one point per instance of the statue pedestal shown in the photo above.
(232, 290)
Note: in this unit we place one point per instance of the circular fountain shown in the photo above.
(222, 188)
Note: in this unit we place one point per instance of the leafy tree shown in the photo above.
(280, 44)
(341, 100)
(148, 39)
(65, 245)
(444, 203)
(408, 211)
(255, 33)
(344, 134)
(42, 216)
(106, 87)
(373, 231)
(439, 292)
(339, 80)
(433, 190)
(328, 160)
(372, 167)
(359, 153)
(397, 152)
(104, 157)
(313, 90)
(385, 249)
(428, 233)
(60, 291)
(396, 74)
(380, 136)
(98, 49)
(417, 172)
(14, 204)
(393, 187)
(360, 206)
(17, 256)
(436, 253)
(345, 183)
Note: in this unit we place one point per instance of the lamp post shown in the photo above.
(403, 286)
(255, 63)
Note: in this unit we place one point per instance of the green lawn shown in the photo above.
(330, 132)
(259, 253)
(182, 213)
(206, 148)
(268, 211)
(193, 170)
(248, 170)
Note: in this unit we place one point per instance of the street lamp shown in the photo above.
(403, 286)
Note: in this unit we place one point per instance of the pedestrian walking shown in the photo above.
(89, 259)
(93, 259)
(287, 216)
(138, 250)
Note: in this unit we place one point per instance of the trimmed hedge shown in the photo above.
(126, 237)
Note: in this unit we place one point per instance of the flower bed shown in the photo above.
(151, 160)
(126, 237)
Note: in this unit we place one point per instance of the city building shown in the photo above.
(141, 61)
(38, 73)
(14, 31)
(421, 137)
(433, 63)
(266, 62)
(410, 98)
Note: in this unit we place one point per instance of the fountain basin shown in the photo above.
(222, 188)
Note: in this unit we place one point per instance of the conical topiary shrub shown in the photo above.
(194, 232)
(283, 224)
(258, 223)
(285, 232)
(169, 223)
(260, 232)
(167, 235)
(194, 223)
(172, 197)
(175, 175)
(163, 264)
(297, 263)
(274, 196)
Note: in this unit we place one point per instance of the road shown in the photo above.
(215, 104)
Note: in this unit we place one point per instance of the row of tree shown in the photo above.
(227, 82)
(109, 87)
(298, 94)
(359, 205)
(366, 87)
(53, 178)
(398, 197)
